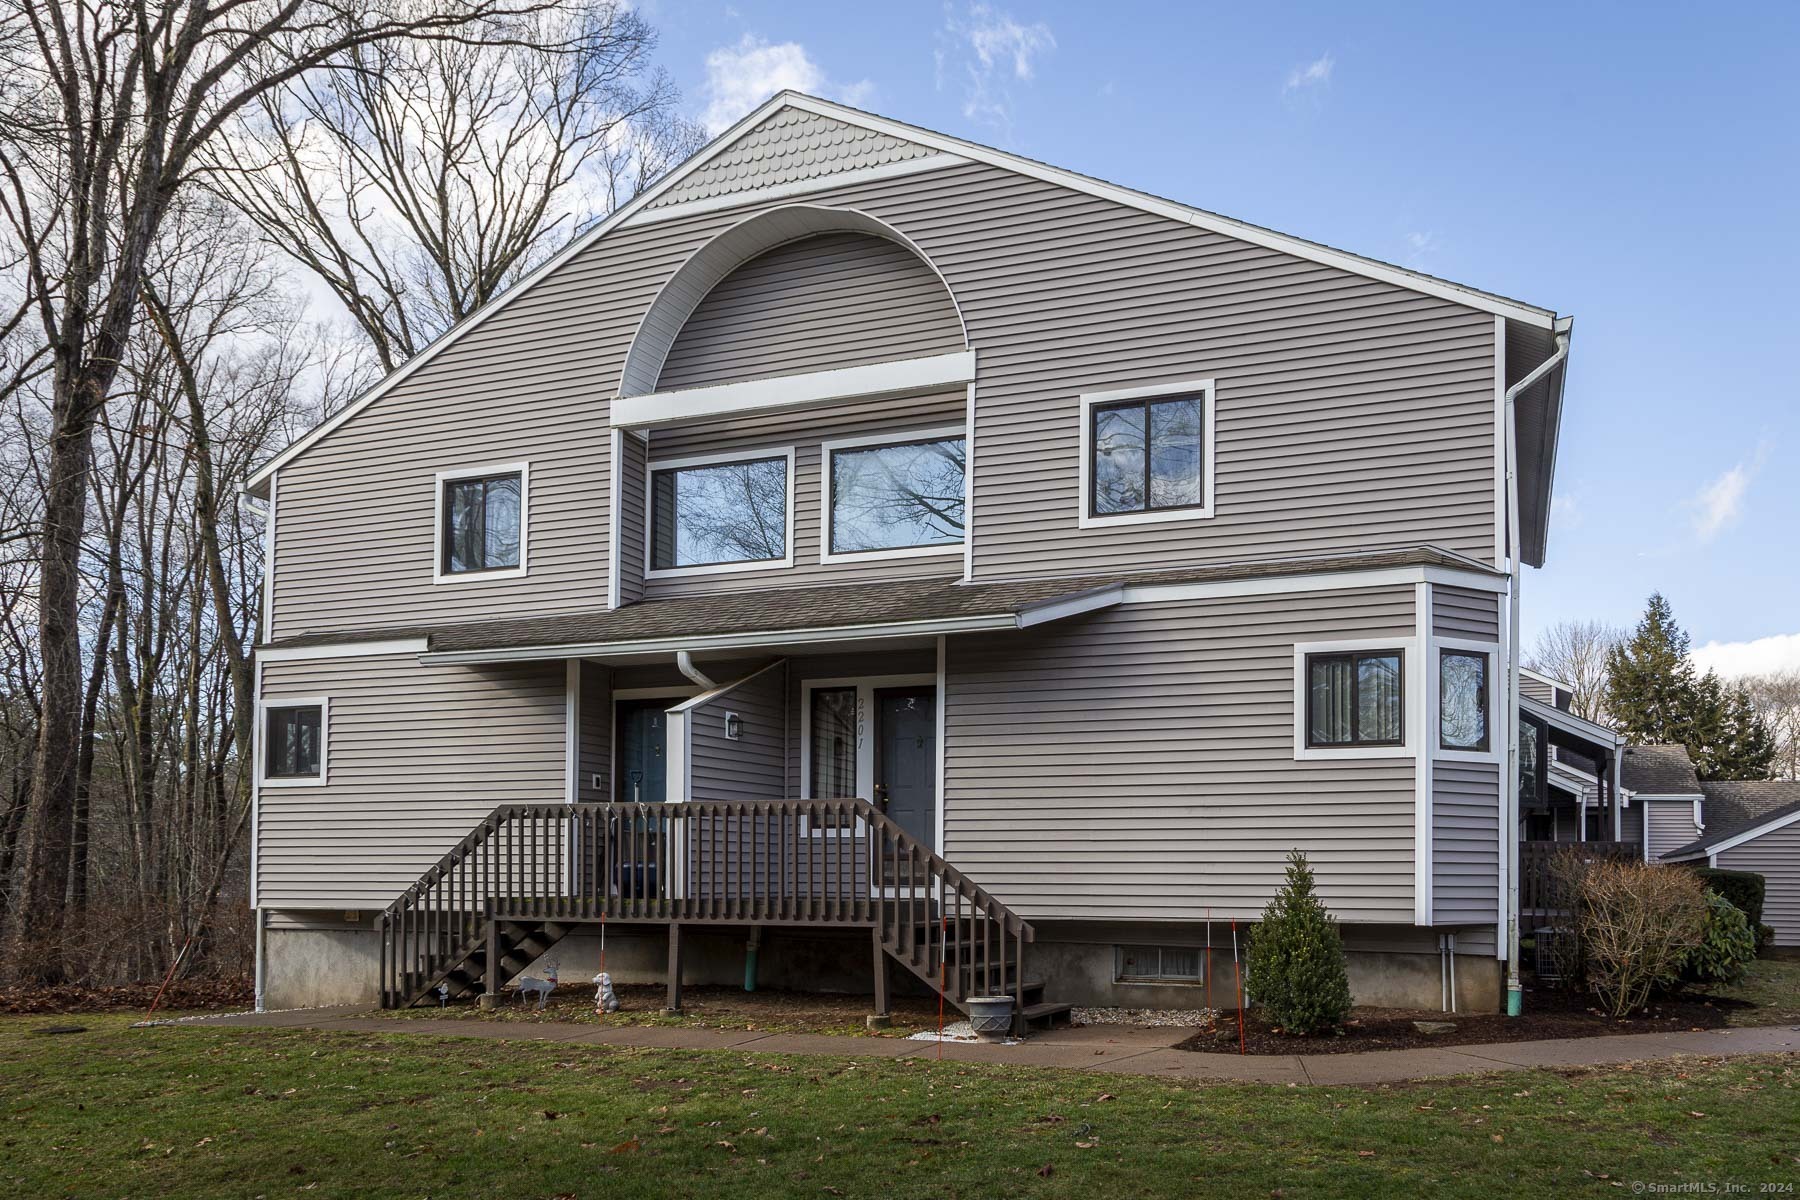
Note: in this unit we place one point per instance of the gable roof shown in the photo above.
(722, 151)
(1733, 808)
(1659, 770)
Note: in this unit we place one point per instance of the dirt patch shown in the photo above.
(709, 1007)
(1547, 1015)
(229, 994)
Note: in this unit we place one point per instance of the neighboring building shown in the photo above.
(1754, 826)
(1107, 549)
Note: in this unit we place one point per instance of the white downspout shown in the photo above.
(1515, 991)
(684, 662)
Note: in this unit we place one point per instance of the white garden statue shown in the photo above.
(605, 999)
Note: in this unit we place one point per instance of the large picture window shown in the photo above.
(905, 495)
(1463, 700)
(294, 742)
(483, 523)
(1355, 699)
(1147, 455)
(719, 513)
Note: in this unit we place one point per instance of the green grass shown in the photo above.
(1773, 984)
(202, 1112)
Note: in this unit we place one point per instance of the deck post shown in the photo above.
(674, 1004)
(490, 993)
(882, 1017)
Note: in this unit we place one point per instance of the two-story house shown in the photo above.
(871, 549)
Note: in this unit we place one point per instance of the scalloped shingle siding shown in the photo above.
(789, 146)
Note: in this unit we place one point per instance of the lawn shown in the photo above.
(191, 1111)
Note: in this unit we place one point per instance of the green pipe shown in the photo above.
(1515, 1002)
(750, 949)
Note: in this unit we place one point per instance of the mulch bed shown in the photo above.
(187, 994)
(1548, 1014)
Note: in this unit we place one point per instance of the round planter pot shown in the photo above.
(991, 1017)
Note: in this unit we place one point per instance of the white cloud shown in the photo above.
(1779, 652)
(1720, 503)
(991, 50)
(741, 76)
(1316, 73)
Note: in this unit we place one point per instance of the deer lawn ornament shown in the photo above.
(541, 988)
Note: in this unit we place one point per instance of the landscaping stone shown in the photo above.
(1435, 1026)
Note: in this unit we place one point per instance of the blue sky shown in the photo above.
(1633, 165)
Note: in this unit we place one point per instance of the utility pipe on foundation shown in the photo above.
(1509, 828)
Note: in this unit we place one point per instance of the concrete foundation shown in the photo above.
(315, 960)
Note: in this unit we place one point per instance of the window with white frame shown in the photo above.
(293, 743)
(1355, 698)
(1159, 964)
(719, 513)
(903, 495)
(481, 522)
(1147, 454)
(1463, 700)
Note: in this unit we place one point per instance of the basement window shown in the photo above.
(1158, 964)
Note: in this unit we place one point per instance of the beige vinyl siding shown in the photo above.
(1669, 824)
(1465, 842)
(1465, 613)
(806, 432)
(1631, 824)
(754, 767)
(787, 148)
(636, 453)
(593, 778)
(1352, 414)
(416, 757)
(1776, 857)
(1537, 689)
(1138, 763)
(816, 304)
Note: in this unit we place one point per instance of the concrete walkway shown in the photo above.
(1125, 1050)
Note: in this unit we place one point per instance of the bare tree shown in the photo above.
(420, 184)
(104, 108)
(1575, 653)
(1776, 695)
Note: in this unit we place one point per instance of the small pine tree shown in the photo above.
(1650, 682)
(1297, 973)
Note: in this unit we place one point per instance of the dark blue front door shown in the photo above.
(643, 761)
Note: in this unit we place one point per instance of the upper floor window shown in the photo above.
(293, 742)
(481, 522)
(894, 497)
(1355, 699)
(1147, 454)
(1463, 700)
(721, 513)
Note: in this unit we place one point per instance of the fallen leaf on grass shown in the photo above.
(625, 1147)
(1046, 1171)
(1365, 1154)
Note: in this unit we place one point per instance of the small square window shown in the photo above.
(483, 523)
(294, 743)
(1463, 700)
(1148, 455)
(1355, 699)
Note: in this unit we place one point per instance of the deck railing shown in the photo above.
(803, 862)
(1539, 888)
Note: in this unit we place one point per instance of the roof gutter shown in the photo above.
(1509, 827)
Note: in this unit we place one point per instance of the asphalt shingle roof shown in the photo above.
(1663, 770)
(1732, 806)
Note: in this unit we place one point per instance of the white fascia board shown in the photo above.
(1324, 581)
(1512, 310)
(1570, 723)
(730, 641)
(416, 645)
(1069, 606)
(1752, 833)
(898, 377)
(798, 187)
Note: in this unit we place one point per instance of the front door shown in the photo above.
(643, 761)
(906, 759)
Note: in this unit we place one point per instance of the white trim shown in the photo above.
(325, 653)
(1570, 723)
(782, 393)
(942, 750)
(1500, 547)
(1742, 836)
(939, 433)
(438, 574)
(1070, 606)
(969, 485)
(1507, 834)
(713, 460)
(1323, 581)
(1174, 390)
(615, 502)
(323, 704)
(1434, 733)
(1424, 910)
(268, 597)
(1409, 699)
(800, 187)
(256, 740)
(572, 729)
(629, 214)
(866, 686)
